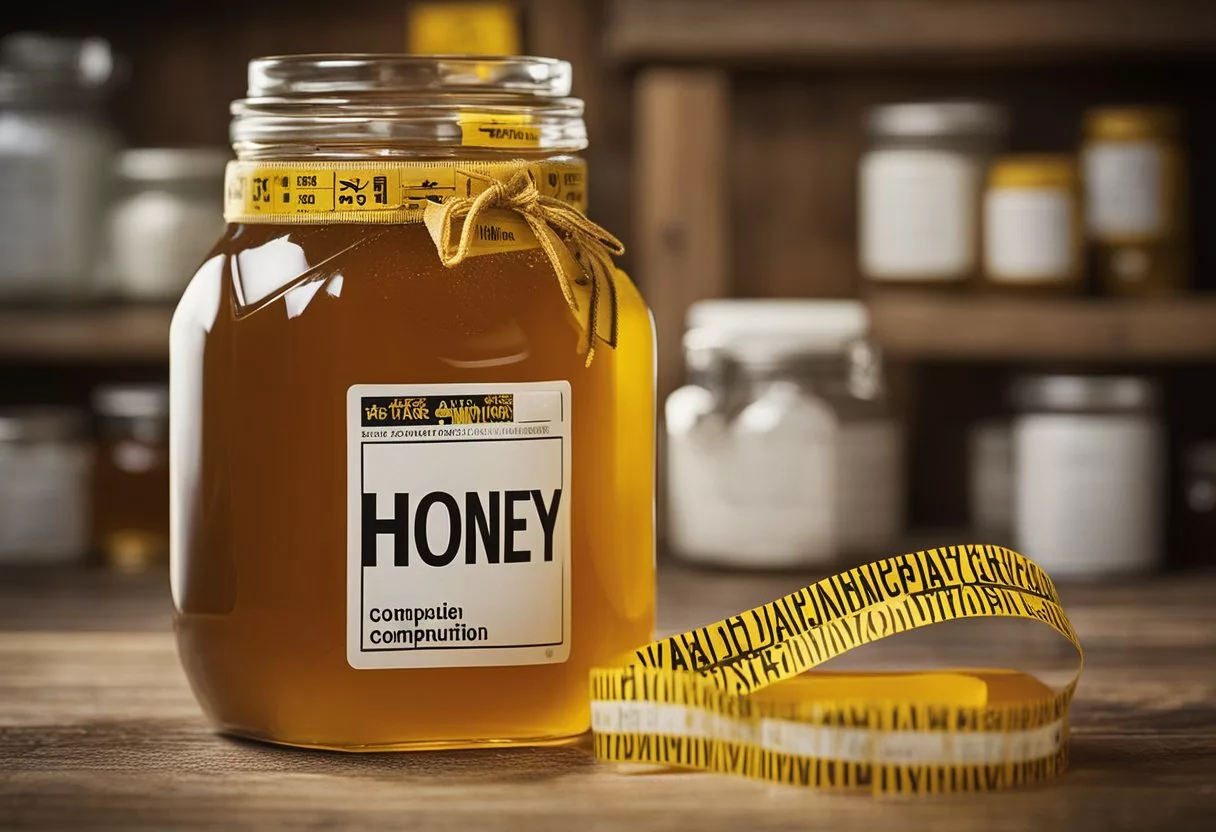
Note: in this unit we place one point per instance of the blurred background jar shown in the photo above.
(167, 215)
(56, 149)
(920, 188)
(44, 461)
(1197, 529)
(131, 476)
(1088, 457)
(781, 451)
(990, 480)
(1033, 242)
(1135, 186)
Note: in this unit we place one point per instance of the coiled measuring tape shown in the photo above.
(735, 696)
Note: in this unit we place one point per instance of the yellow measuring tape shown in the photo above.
(374, 191)
(735, 696)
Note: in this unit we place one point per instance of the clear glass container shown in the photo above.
(1088, 457)
(44, 465)
(319, 598)
(781, 450)
(167, 215)
(55, 159)
(131, 476)
(920, 188)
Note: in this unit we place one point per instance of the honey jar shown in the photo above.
(413, 414)
(1032, 226)
(1136, 200)
(131, 476)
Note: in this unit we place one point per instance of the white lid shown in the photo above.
(170, 164)
(757, 329)
(925, 119)
(42, 423)
(132, 401)
(1081, 393)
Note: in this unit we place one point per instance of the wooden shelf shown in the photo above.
(88, 335)
(1040, 330)
(912, 327)
(843, 31)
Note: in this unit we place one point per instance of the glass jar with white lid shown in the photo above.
(167, 214)
(55, 155)
(1089, 459)
(920, 186)
(44, 467)
(781, 451)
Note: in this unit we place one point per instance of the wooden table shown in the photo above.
(98, 730)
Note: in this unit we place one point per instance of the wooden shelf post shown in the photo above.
(682, 216)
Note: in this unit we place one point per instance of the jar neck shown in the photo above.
(350, 107)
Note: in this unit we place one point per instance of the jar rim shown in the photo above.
(319, 74)
(938, 119)
(342, 105)
(1084, 393)
(172, 164)
(44, 70)
(41, 423)
(132, 401)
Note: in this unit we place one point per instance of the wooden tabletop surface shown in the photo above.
(98, 730)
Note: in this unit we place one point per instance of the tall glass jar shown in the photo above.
(781, 451)
(55, 155)
(412, 437)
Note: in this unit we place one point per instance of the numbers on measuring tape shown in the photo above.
(385, 192)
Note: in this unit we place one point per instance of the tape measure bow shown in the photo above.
(735, 696)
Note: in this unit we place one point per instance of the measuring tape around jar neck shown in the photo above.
(735, 696)
(378, 191)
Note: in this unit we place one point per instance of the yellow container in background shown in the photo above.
(1135, 186)
(463, 28)
(1032, 225)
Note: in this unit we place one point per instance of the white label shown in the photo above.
(1028, 235)
(458, 524)
(43, 502)
(1123, 183)
(918, 212)
(1087, 491)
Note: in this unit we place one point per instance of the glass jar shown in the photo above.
(55, 156)
(781, 452)
(1197, 529)
(1088, 457)
(412, 503)
(990, 479)
(44, 463)
(131, 476)
(167, 216)
(1032, 226)
(920, 187)
(1135, 187)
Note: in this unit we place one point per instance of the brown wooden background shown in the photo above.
(694, 103)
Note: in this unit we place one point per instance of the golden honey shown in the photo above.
(293, 333)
